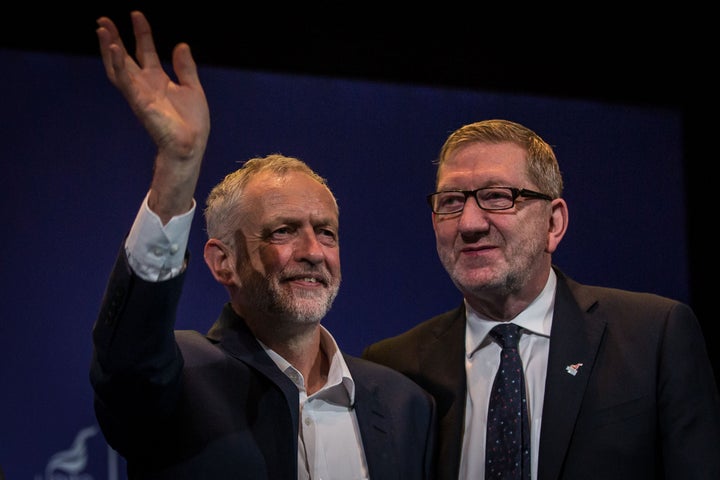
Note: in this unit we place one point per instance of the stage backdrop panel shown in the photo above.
(77, 164)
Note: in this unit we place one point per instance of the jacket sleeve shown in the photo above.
(136, 365)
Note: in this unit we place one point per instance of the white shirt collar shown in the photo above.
(537, 318)
(338, 374)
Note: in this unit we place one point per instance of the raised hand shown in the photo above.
(175, 114)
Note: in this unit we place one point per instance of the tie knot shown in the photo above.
(506, 334)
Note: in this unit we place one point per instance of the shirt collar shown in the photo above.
(536, 318)
(339, 388)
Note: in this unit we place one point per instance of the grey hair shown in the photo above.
(542, 165)
(222, 212)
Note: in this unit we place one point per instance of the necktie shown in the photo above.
(507, 452)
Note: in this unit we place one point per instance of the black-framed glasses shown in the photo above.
(487, 198)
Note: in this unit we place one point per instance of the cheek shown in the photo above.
(533, 230)
(274, 255)
(332, 259)
(264, 259)
(445, 229)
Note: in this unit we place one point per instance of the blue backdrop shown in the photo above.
(77, 164)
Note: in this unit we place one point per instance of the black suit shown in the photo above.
(644, 402)
(180, 405)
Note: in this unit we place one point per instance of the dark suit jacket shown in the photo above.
(180, 405)
(644, 405)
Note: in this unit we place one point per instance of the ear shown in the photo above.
(220, 260)
(558, 223)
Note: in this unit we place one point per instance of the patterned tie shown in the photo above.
(507, 452)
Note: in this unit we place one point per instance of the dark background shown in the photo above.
(652, 57)
(649, 58)
(73, 155)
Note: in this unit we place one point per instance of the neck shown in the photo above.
(305, 353)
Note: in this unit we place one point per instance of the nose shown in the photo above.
(309, 248)
(472, 218)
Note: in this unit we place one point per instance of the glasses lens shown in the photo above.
(495, 198)
(448, 202)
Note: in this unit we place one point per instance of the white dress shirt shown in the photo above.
(329, 443)
(482, 360)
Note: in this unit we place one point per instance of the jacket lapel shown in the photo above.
(575, 339)
(233, 335)
(375, 428)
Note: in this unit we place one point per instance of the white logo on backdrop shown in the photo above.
(70, 464)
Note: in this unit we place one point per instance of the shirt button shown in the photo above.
(174, 248)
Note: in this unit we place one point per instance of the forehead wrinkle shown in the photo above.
(284, 209)
(292, 198)
(481, 165)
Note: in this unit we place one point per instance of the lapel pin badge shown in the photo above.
(573, 369)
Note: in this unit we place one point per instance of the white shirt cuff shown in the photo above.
(155, 251)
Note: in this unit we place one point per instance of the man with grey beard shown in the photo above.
(266, 393)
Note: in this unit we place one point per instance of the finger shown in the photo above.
(185, 67)
(108, 38)
(145, 51)
(105, 42)
(109, 25)
(116, 60)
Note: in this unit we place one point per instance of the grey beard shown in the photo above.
(270, 298)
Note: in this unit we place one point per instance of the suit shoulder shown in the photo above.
(197, 349)
(380, 374)
(624, 302)
(418, 334)
(630, 297)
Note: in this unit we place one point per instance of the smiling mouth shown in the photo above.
(307, 280)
